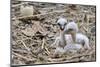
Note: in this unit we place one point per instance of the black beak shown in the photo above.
(62, 28)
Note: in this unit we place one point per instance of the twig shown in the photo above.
(43, 43)
(47, 50)
(18, 5)
(34, 16)
(79, 55)
(85, 29)
(69, 58)
(23, 57)
(25, 46)
(33, 54)
(19, 50)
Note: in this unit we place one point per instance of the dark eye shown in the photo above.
(58, 24)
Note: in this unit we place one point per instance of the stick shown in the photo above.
(25, 45)
(18, 5)
(33, 54)
(85, 29)
(34, 16)
(69, 58)
(79, 55)
(47, 50)
(23, 57)
(19, 50)
(43, 43)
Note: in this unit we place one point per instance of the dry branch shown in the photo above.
(29, 50)
(23, 57)
(47, 50)
(17, 5)
(43, 44)
(72, 57)
(34, 17)
(19, 50)
(25, 46)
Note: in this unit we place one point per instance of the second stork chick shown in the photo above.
(79, 38)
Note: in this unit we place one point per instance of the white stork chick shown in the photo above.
(78, 38)
(64, 42)
(60, 40)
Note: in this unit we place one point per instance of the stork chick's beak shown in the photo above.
(61, 28)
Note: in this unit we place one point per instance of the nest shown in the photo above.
(32, 35)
